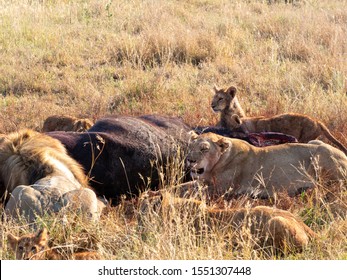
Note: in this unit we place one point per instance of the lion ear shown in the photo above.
(12, 240)
(224, 144)
(232, 91)
(192, 135)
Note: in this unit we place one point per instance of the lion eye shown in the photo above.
(20, 248)
(220, 98)
(33, 249)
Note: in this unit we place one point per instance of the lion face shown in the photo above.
(204, 153)
(222, 98)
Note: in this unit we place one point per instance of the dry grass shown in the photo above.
(99, 57)
(130, 231)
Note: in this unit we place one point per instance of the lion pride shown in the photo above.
(39, 177)
(224, 163)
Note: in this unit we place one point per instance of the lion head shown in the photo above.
(223, 98)
(27, 156)
(204, 153)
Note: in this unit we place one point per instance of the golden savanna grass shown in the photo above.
(98, 57)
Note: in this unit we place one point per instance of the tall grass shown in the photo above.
(102, 57)
(99, 57)
(153, 229)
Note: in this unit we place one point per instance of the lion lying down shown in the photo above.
(35, 247)
(266, 227)
(224, 163)
(41, 178)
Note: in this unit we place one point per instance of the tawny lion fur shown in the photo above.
(302, 127)
(267, 227)
(223, 163)
(226, 102)
(66, 123)
(35, 247)
(38, 176)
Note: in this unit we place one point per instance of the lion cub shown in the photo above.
(302, 127)
(66, 123)
(35, 247)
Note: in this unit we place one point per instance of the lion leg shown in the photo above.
(24, 202)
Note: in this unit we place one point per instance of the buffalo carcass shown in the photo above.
(122, 154)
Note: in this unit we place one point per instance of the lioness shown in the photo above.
(223, 162)
(66, 123)
(35, 247)
(267, 227)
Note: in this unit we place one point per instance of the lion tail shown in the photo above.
(331, 138)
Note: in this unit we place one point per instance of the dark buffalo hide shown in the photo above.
(121, 154)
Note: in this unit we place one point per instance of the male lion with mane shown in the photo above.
(38, 176)
(224, 163)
